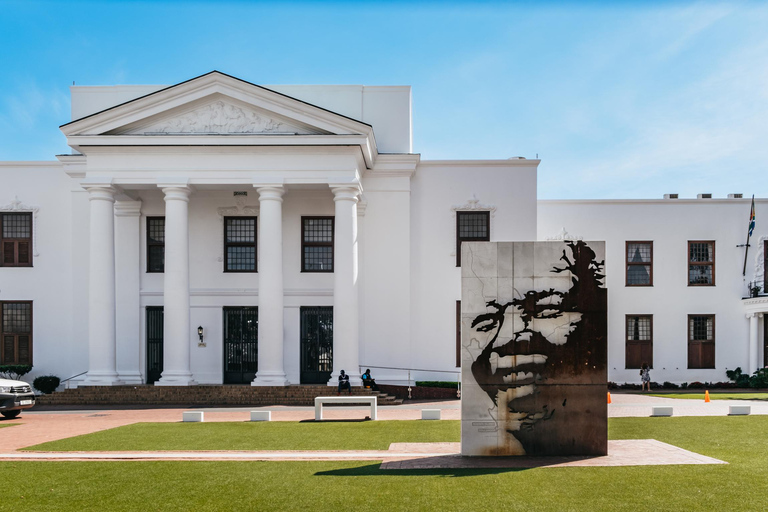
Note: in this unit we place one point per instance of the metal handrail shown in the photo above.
(458, 382)
(72, 377)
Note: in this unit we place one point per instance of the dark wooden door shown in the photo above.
(317, 344)
(154, 343)
(765, 341)
(241, 344)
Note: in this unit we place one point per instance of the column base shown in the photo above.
(270, 379)
(131, 378)
(101, 379)
(179, 379)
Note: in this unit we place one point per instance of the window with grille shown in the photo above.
(16, 239)
(639, 341)
(471, 227)
(317, 244)
(16, 332)
(239, 244)
(639, 264)
(155, 244)
(701, 263)
(701, 341)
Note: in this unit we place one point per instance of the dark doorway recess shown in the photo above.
(154, 343)
(241, 344)
(317, 344)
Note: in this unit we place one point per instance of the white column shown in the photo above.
(270, 371)
(127, 275)
(345, 295)
(176, 329)
(102, 370)
(753, 345)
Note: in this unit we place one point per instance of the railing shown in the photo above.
(409, 370)
(72, 377)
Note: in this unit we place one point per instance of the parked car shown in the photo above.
(15, 396)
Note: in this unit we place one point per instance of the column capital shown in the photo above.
(101, 192)
(271, 193)
(128, 208)
(346, 193)
(176, 192)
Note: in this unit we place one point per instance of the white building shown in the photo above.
(297, 227)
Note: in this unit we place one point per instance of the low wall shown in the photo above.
(419, 393)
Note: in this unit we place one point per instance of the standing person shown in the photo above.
(344, 383)
(368, 381)
(645, 377)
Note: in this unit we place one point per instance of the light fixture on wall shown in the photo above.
(200, 334)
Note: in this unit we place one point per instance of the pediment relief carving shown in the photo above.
(221, 117)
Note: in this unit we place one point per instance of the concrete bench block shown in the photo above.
(661, 411)
(430, 414)
(261, 415)
(322, 400)
(194, 416)
(739, 410)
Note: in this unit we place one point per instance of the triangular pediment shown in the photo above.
(215, 103)
(219, 116)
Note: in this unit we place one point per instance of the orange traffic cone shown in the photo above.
(609, 397)
(706, 396)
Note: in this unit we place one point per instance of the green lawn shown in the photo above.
(205, 486)
(722, 395)
(274, 435)
(8, 424)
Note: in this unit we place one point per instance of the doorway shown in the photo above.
(316, 344)
(154, 343)
(241, 344)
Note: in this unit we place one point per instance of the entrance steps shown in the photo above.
(202, 395)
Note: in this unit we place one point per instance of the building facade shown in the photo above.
(216, 231)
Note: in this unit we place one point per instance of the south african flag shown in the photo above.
(752, 217)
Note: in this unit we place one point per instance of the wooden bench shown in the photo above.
(321, 400)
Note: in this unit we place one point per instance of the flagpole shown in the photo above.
(749, 234)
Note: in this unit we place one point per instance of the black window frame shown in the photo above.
(331, 244)
(692, 263)
(3, 333)
(255, 245)
(151, 243)
(628, 263)
(459, 238)
(16, 241)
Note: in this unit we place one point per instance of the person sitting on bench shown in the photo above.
(368, 381)
(344, 382)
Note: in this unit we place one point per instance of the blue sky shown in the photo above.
(619, 100)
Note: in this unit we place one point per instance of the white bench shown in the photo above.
(661, 410)
(322, 400)
(739, 410)
(193, 416)
(430, 414)
(261, 415)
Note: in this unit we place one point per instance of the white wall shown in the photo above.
(670, 224)
(436, 188)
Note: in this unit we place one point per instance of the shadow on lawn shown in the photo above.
(375, 470)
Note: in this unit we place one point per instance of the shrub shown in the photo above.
(684, 385)
(437, 384)
(629, 385)
(612, 385)
(696, 385)
(14, 371)
(738, 377)
(759, 379)
(669, 385)
(46, 384)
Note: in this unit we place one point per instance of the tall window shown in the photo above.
(639, 264)
(16, 332)
(155, 244)
(701, 341)
(16, 239)
(639, 343)
(239, 244)
(471, 227)
(701, 263)
(317, 244)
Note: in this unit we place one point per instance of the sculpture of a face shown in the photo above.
(548, 344)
